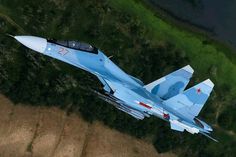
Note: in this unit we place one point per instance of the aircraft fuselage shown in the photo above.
(122, 90)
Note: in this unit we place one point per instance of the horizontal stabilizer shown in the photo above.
(190, 102)
(171, 84)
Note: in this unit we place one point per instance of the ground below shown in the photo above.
(39, 131)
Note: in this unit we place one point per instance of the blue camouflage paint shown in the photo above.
(155, 89)
(128, 92)
(172, 84)
(183, 73)
(174, 90)
(195, 97)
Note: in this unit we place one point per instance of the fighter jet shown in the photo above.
(165, 98)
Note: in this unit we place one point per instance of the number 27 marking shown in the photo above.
(63, 51)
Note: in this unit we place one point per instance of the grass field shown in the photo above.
(202, 56)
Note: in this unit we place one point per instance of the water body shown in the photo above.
(215, 16)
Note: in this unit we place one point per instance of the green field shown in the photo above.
(134, 35)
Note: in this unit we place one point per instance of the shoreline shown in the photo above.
(182, 24)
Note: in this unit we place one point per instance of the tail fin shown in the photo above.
(190, 102)
(171, 84)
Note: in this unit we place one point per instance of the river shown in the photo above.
(215, 16)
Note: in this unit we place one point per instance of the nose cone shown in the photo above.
(35, 43)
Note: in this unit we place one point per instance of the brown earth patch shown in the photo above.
(40, 132)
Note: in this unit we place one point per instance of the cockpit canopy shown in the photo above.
(76, 45)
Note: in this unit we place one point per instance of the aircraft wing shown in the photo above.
(171, 84)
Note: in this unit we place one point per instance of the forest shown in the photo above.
(141, 43)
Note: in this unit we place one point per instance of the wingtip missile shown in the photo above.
(205, 134)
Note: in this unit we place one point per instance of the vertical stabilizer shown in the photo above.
(171, 84)
(190, 102)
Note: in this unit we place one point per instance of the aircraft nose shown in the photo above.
(35, 43)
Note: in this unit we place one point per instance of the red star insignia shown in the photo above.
(198, 90)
